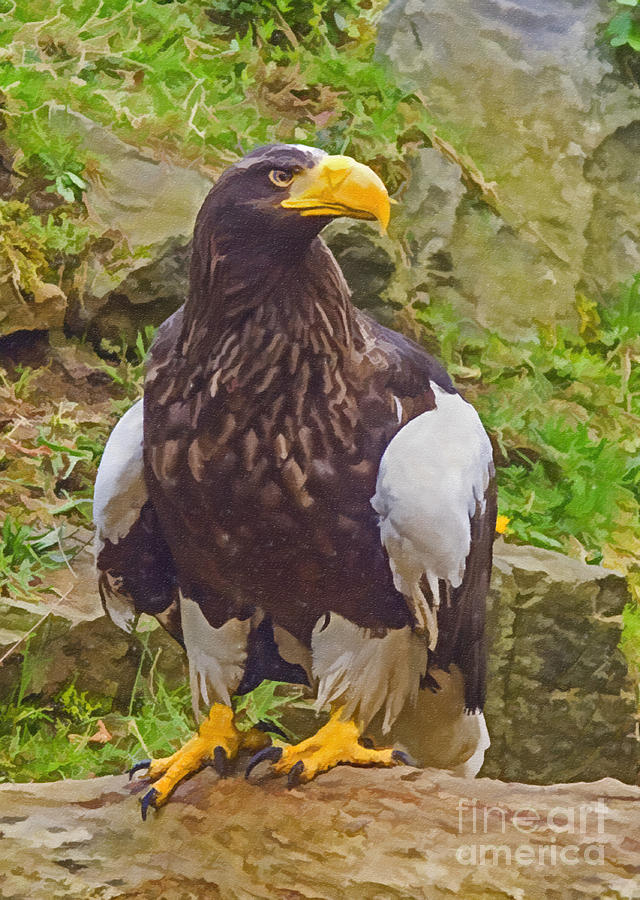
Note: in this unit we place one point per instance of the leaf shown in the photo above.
(624, 29)
(102, 735)
(340, 21)
(75, 179)
(62, 189)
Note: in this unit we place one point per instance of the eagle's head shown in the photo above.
(282, 195)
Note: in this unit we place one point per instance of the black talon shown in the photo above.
(148, 800)
(220, 761)
(404, 758)
(265, 725)
(143, 764)
(293, 778)
(273, 754)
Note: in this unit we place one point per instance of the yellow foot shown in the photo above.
(218, 740)
(336, 743)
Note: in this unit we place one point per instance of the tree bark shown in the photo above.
(352, 834)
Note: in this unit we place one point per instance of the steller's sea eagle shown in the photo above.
(302, 495)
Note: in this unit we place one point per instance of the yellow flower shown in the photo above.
(501, 524)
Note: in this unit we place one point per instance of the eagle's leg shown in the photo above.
(339, 742)
(217, 741)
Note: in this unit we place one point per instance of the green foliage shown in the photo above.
(33, 248)
(563, 411)
(623, 35)
(267, 703)
(25, 555)
(128, 370)
(202, 81)
(49, 453)
(64, 472)
(56, 740)
(624, 28)
(63, 737)
(313, 21)
(630, 640)
(58, 161)
(21, 386)
(44, 741)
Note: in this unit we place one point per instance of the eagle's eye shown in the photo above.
(280, 177)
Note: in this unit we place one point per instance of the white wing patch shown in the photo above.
(432, 478)
(120, 491)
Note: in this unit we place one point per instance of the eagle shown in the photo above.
(302, 494)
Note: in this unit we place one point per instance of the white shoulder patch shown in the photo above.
(432, 477)
(120, 490)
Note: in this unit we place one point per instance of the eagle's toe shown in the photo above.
(294, 776)
(144, 764)
(337, 743)
(149, 800)
(220, 761)
(403, 758)
(272, 754)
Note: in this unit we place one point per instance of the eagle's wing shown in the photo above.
(136, 572)
(436, 501)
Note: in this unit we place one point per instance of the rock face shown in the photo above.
(73, 641)
(146, 295)
(529, 94)
(527, 196)
(560, 705)
(40, 310)
(351, 835)
(153, 203)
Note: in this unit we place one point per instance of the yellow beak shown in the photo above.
(340, 186)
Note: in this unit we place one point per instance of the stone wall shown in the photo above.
(545, 202)
(560, 705)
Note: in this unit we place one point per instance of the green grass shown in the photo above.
(25, 556)
(45, 740)
(48, 740)
(126, 366)
(200, 80)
